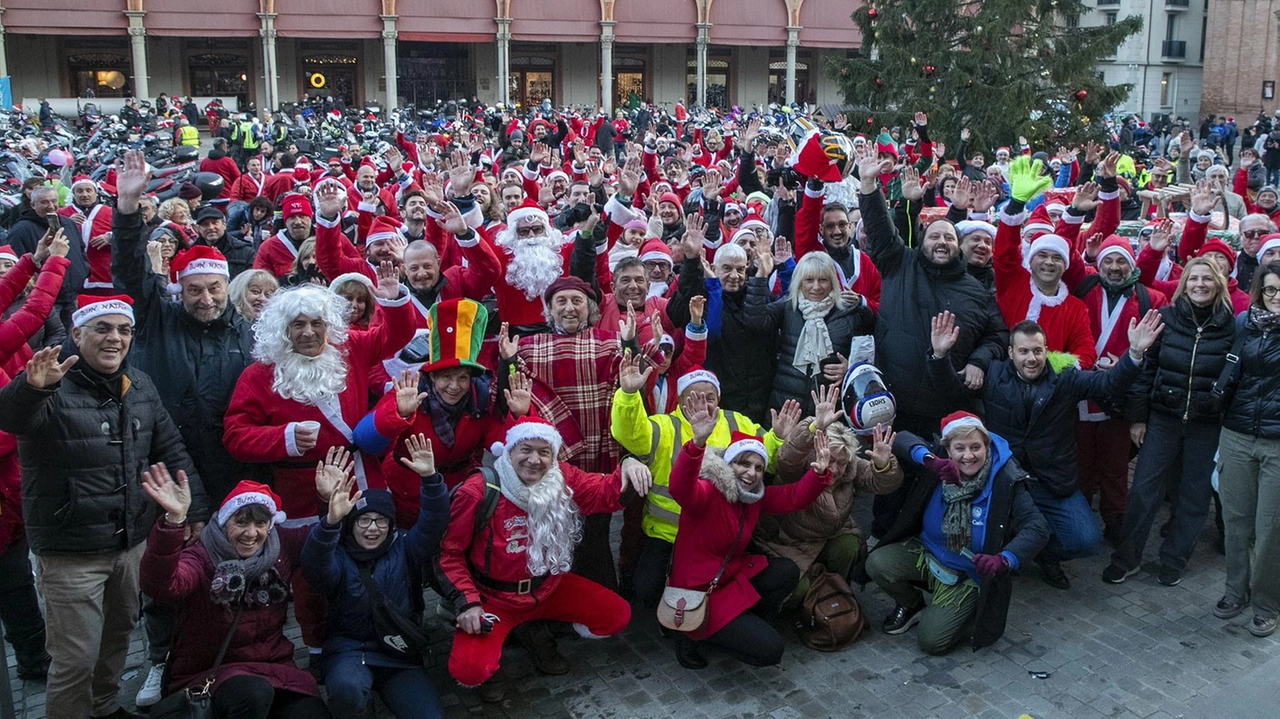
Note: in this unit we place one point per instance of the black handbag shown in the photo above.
(196, 702)
(399, 636)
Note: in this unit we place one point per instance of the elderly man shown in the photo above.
(536, 255)
(93, 219)
(366, 196)
(277, 253)
(505, 559)
(1252, 229)
(211, 229)
(83, 444)
(33, 223)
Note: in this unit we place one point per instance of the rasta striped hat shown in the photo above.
(456, 332)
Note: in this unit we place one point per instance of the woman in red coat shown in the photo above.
(238, 573)
(716, 520)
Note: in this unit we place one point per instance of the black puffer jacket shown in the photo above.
(742, 359)
(26, 234)
(195, 364)
(1255, 408)
(1181, 367)
(778, 319)
(82, 453)
(913, 291)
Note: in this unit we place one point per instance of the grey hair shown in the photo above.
(593, 313)
(1271, 225)
(730, 251)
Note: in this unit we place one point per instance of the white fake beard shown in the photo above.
(310, 380)
(534, 263)
(555, 525)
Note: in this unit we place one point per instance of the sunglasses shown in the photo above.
(1253, 234)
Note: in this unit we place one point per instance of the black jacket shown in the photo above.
(82, 453)
(913, 290)
(742, 358)
(1177, 378)
(26, 234)
(1013, 524)
(777, 319)
(1038, 419)
(195, 365)
(238, 251)
(1254, 408)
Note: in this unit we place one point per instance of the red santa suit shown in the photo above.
(277, 253)
(96, 222)
(1064, 318)
(247, 187)
(524, 308)
(863, 278)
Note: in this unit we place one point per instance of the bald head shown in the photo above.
(421, 265)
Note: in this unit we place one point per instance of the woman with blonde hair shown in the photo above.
(1177, 414)
(249, 292)
(175, 211)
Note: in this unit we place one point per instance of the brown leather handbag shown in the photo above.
(831, 618)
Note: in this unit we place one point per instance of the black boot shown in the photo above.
(32, 659)
(537, 639)
(688, 655)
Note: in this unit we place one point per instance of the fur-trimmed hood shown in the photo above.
(718, 472)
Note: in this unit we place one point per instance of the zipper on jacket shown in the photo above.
(1186, 413)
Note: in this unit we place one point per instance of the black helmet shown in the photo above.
(210, 184)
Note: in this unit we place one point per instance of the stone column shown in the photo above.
(700, 73)
(138, 43)
(390, 68)
(793, 41)
(606, 66)
(504, 59)
(270, 72)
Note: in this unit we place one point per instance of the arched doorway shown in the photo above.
(532, 79)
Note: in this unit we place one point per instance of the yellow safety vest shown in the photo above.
(189, 136)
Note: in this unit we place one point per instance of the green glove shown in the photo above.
(1026, 180)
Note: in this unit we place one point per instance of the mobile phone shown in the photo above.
(52, 218)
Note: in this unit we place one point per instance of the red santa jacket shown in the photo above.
(247, 187)
(519, 309)
(259, 424)
(356, 203)
(278, 184)
(500, 549)
(277, 254)
(224, 167)
(865, 279)
(660, 396)
(1065, 320)
(97, 222)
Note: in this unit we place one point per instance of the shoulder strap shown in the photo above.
(370, 586)
(1231, 369)
(222, 651)
(1144, 299)
(489, 502)
(1088, 283)
(732, 419)
(742, 522)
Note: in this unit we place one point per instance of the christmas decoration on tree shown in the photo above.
(989, 65)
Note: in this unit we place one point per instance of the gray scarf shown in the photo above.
(751, 497)
(254, 578)
(958, 500)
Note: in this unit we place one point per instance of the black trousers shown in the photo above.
(19, 608)
(247, 697)
(651, 571)
(750, 637)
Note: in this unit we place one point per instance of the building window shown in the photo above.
(101, 73)
(778, 81)
(220, 75)
(1170, 27)
(1204, 33)
(435, 71)
(1166, 80)
(532, 80)
(628, 81)
(1110, 17)
(1073, 20)
(330, 70)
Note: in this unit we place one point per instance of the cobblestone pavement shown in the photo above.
(1132, 650)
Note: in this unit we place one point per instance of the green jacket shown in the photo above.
(657, 441)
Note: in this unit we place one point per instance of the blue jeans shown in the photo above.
(1173, 456)
(408, 693)
(1075, 531)
(1273, 177)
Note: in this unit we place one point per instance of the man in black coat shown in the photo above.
(212, 230)
(1034, 406)
(83, 446)
(32, 224)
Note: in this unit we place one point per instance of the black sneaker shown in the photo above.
(901, 619)
(492, 691)
(688, 655)
(1115, 574)
(1262, 626)
(537, 639)
(1228, 609)
(1053, 575)
(1169, 577)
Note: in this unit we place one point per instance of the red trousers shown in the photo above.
(1102, 449)
(475, 657)
(311, 610)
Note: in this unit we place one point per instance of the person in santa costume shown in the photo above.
(94, 221)
(366, 196)
(716, 517)
(308, 388)
(278, 253)
(826, 228)
(513, 566)
(249, 185)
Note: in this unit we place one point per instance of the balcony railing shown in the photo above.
(1101, 3)
(1173, 49)
(1177, 5)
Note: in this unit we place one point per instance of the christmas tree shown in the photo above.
(1003, 68)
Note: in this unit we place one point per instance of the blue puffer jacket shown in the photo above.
(327, 567)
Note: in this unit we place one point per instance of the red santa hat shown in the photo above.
(199, 260)
(7, 253)
(1038, 223)
(740, 442)
(1116, 245)
(753, 219)
(527, 428)
(1216, 245)
(671, 197)
(383, 230)
(246, 493)
(957, 421)
(82, 180)
(696, 375)
(292, 205)
(655, 250)
(1003, 149)
(367, 161)
(91, 307)
(1047, 243)
(301, 175)
(1269, 242)
(527, 211)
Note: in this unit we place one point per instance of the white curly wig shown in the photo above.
(305, 379)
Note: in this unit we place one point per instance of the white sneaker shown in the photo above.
(149, 694)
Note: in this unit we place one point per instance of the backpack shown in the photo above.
(831, 618)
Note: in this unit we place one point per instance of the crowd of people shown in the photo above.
(435, 369)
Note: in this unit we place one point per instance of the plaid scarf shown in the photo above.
(958, 499)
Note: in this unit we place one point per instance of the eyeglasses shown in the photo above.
(105, 330)
(1253, 234)
(366, 521)
(1270, 292)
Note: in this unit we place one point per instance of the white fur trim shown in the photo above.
(291, 440)
(1271, 244)
(1109, 195)
(525, 431)
(235, 503)
(696, 376)
(656, 256)
(382, 237)
(88, 313)
(1117, 250)
(8, 256)
(350, 277)
(330, 224)
(400, 300)
(1050, 243)
(520, 214)
(205, 266)
(967, 226)
(745, 445)
(1034, 227)
(748, 224)
(585, 633)
(962, 423)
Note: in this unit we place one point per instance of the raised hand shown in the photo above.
(630, 379)
(461, 173)
(342, 501)
(519, 395)
(912, 188)
(962, 193)
(421, 459)
(764, 261)
(337, 464)
(132, 176)
(920, 119)
(173, 497)
(388, 286)
(821, 454)
(695, 233)
(433, 188)
(629, 177)
(1108, 166)
(826, 403)
(870, 167)
(627, 327)
(331, 199)
(943, 333)
(782, 250)
(635, 473)
(881, 452)
(1092, 152)
(408, 398)
(539, 153)
(984, 196)
(451, 220)
(1025, 179)
(1162, 236)
(1144, 334)
(785, 421)
(1203, 199)
(44, 370)
(508, 346)
(965, 134)
(701, 417)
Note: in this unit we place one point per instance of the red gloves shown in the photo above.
(989, 565)
(945, 469)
